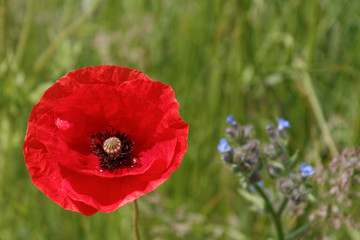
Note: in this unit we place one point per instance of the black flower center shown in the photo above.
(114, 149)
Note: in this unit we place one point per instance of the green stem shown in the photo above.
(3, 29)
(24, 35)
(63, 35)
(274, 215)
(282, 206)
(316, 107)
(135, 220)
(67, 13)
(307, 81)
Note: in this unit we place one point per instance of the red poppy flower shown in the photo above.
(102, 136)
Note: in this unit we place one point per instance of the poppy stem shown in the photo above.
(135, 220)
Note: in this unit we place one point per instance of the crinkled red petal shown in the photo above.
(109, 194)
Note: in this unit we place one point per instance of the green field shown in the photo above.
(256, 59)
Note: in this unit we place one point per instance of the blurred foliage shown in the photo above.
(246, 57)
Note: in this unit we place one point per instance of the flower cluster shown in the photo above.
(244, 152)
(268, 169)
(249, 160)
(342, 177)
(276, 150)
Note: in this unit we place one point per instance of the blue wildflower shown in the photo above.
(282, 123)
(230, 119)
(223, 146)
(306, 170)
(259, 183)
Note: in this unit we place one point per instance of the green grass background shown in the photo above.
(245, 57)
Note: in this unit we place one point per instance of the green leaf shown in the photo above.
(355, 234)
(298, 231)
(293, 160)
(258, 201)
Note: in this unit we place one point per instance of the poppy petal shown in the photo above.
(86, 102)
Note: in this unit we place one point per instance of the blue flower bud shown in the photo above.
(306, 170)
(271, 130)
(270, 127)
(223, 146)
(260, 184)
(282, 123)
(230, 119)
(230, 132)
